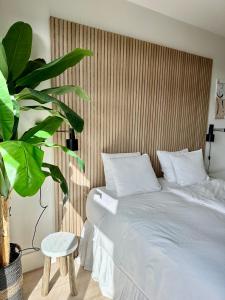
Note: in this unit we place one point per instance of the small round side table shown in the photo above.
(60, 245)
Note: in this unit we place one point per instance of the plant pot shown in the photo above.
(11, 277)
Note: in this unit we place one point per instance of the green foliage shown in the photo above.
(61, 90)
(6, 110)
(17, 44)
(54, 68)
(22, 165)
(57, 176)
(30, 67)
(79, 161)
(42, 130)
(74, 119)
(3, 61)
(4, 182)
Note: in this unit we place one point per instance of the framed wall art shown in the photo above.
(220, 99)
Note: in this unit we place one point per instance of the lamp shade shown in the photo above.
(72, 142)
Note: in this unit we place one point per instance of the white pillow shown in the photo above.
(106, 158)
(189, 168)
(134, 175)
(166, 164)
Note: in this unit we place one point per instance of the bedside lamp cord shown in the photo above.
(33, 248)
(209, 157)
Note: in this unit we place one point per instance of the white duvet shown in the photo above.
(170, 244)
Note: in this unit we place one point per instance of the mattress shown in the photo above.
(167, 245)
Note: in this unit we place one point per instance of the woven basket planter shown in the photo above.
(11, 277)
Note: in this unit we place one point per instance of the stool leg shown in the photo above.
(73, 288)
(63, 265)
(46, 276)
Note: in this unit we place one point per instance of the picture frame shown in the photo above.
(220, 99)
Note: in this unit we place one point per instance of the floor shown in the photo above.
(59, 286)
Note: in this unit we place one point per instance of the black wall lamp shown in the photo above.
(210, 137)
(71, 142)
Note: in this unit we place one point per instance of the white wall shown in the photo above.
(116, 16)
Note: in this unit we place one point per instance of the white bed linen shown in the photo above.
(134, 175)
(160, 246)
(189, 168)
(209, 193)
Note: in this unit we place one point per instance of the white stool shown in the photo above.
(60, 245)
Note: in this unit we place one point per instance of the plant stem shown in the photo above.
(4, 232)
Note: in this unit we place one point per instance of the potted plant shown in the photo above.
(22, 165)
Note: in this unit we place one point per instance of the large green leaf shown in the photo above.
(23, 164)
(74, 119)
(6, 110)
(3, 189)
(61, 90)
(57, 176)
(42, 130)
(79, 161)
(37, 107)
(33, 65)
(4, 182)
(30, 67)
(3, 61)
(16, 111)
(51, 111)
(17, 44)
(54, 68)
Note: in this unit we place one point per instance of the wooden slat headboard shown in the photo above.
(144, 97)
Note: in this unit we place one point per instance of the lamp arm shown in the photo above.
(71, 142)
(219, 129)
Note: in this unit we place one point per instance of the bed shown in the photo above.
(166, 245)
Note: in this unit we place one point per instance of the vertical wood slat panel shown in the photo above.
(144, 97)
